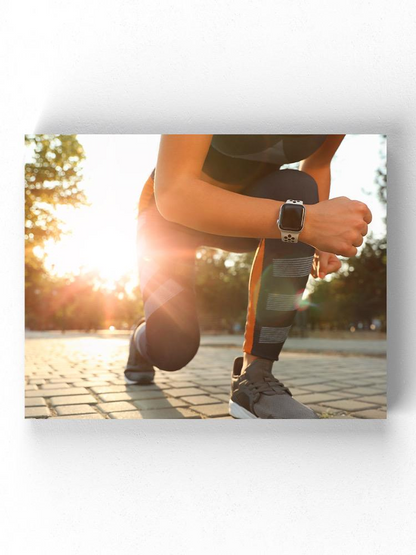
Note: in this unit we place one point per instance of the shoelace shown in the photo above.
(270, 384)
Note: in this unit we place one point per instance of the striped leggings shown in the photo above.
(170, 336)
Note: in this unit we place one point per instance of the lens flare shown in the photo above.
(300, 303)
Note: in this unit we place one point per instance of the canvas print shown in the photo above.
(205, 276)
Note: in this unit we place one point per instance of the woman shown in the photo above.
(228, 191)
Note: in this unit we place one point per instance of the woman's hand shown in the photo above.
(338, 225)
(324, 263)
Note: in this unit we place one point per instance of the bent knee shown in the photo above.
(174, 360)
(172, 352)
(287, 184)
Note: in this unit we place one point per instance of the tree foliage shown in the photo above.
(355, 296)
(82, 302)
(52, 178)
(221, 288)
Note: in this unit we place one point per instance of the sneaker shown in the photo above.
(256, 393)
(138, 370)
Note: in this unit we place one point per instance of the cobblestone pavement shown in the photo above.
(81, 376)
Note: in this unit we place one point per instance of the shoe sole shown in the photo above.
(146, 378)
(236, 411)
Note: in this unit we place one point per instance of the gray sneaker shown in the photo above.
(256, 393)
(138, 370)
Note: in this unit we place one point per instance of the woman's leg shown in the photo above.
(169, 338)
(280, 271)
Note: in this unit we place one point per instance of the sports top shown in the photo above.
(241, 159)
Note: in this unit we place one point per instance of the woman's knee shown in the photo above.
(172, 360)
(172, 349)
(285, 184)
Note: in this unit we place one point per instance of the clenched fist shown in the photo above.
(336, 226)
(324, 263)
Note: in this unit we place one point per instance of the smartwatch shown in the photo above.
(291, 220)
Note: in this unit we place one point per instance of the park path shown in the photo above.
(81, 376)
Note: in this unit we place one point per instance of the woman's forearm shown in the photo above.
(211, 209)
(194, 203)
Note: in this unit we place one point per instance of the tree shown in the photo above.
(52, 178)
(222, 288)
(357, 294)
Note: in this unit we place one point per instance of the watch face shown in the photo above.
(291, 217)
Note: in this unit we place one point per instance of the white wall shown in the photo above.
(209, 487)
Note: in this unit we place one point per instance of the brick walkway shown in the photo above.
(81, 376)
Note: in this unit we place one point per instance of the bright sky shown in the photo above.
(103, 235)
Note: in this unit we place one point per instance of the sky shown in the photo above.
(102, 236)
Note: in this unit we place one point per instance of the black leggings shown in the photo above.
(170, 336)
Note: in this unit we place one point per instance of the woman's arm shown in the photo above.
(184, 198)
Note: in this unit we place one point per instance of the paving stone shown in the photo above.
(167, 402)
(376, 399)
(212, 410)
(116, 407)
(149, 387)
(127, 415)
(89, 383)
(91, 416)
(317, 398)
(58, 392)
(210, 389)
(37, 381)
(131, 395)
(215, 383)
(73, 400)
(221, 396)
(37, 412)
(186, 391)
(303, 383)
(350, 405)
(200, 400)
(53, 386)
(35, 402)
(106, 377)
(319, 388)
(175, 384)
(371, 413)
(31, 387)
(108, 389)
(169, 413)
(66, 410)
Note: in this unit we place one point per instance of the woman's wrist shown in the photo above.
(307, 233)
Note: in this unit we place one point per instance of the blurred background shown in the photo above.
(81, 196)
